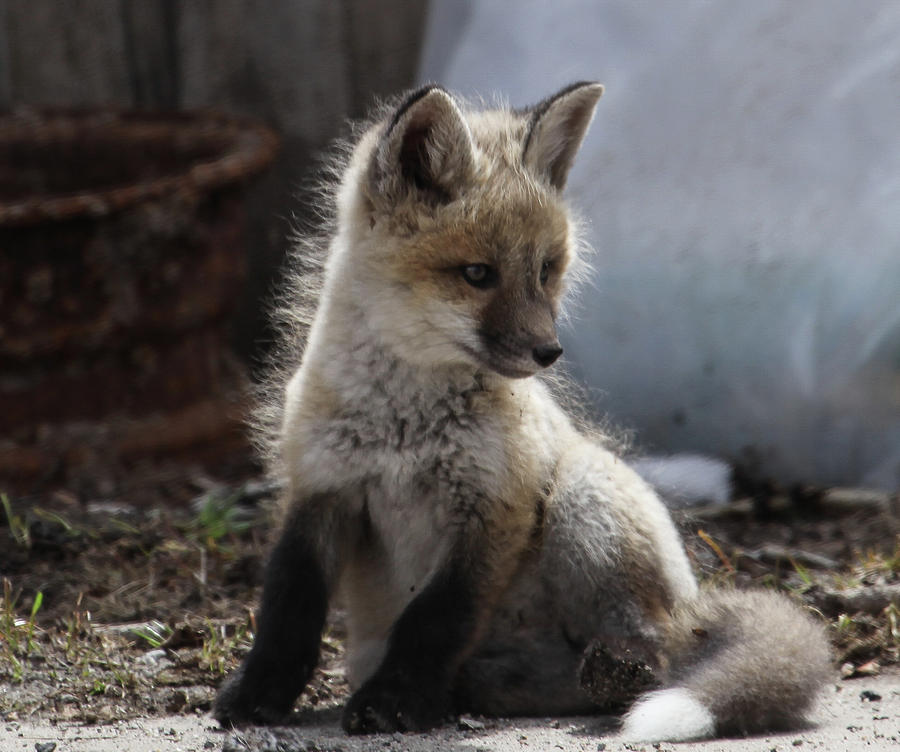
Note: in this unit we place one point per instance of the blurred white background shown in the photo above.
(742, 185)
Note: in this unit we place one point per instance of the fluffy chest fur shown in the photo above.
(398, 433)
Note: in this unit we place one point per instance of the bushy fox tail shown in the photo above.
(738, 663)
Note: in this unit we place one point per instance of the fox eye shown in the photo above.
(480, 275)
(545, 272)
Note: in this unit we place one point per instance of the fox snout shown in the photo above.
(519, 354)
(519, 335)
(546, 354)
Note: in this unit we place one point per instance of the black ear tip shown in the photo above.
(427, 88)
(414, 96)
(589, 88)
(582, 85)
(585, 87)
(423, 91)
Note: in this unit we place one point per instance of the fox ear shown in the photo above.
(427, 148)
(557, 128)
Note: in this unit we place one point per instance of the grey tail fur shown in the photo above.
(739, 663)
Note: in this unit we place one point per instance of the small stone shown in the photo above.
(872, 668)
(600, 747)
(176, 701)
(45, 746)
(867, 695)
(467, 723)
(153, 658)
(235, 743)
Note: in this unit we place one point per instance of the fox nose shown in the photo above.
(545, 355)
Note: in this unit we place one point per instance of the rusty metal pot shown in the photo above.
(122, 255)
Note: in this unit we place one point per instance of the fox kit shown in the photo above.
(481, 540)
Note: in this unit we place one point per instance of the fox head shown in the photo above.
(461, 240)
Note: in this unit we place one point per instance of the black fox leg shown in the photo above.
(411, 689)
(289, 629)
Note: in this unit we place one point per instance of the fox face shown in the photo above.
(489, 287)
(465, 241)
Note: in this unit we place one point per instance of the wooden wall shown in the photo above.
(303, 66)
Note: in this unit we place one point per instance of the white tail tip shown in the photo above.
(668, 715)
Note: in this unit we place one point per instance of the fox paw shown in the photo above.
(614, 678)
(238, 704)
(394, 706)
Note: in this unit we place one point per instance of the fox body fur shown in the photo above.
(482, 540)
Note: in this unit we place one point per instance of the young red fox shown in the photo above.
(481, 541)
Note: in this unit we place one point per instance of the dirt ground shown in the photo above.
(118, 622)
(845, 720)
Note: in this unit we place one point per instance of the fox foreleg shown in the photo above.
(296, 589)
(410, 691)
(412, 688)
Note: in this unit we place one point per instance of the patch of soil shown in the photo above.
(835, 550)
(112, 612)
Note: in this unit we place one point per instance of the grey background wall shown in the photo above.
(302, 66)
(740, 183)
(740, 179)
